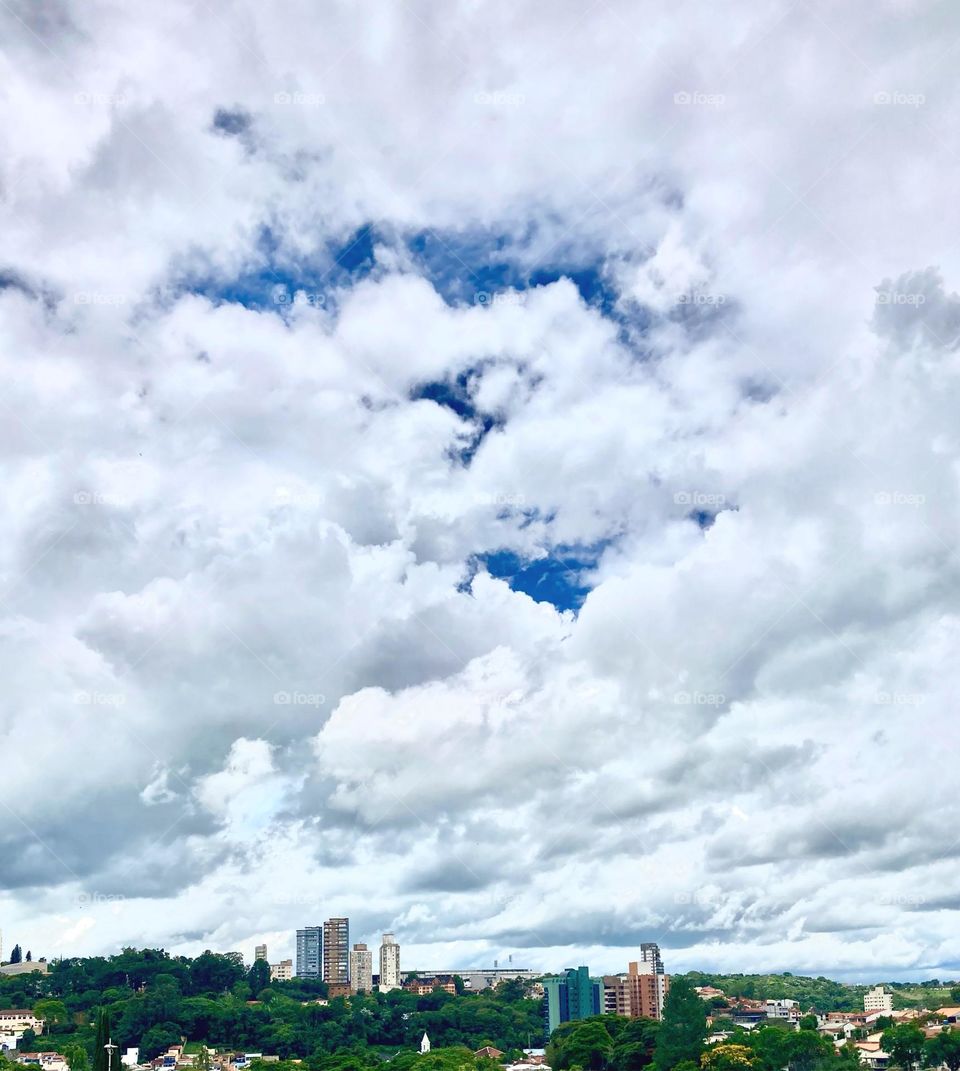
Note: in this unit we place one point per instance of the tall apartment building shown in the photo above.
(361, 969)
(635, 994)
(336, 951)
(650, 955)
(389, 964)
(878, 1000)
(260, 952)
(282, 971)
(309, 948)
(569, 996)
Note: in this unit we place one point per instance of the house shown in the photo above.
(871, 1054)
(47, 1061)
(490, 1052)
(19, 1019)
(422, 987)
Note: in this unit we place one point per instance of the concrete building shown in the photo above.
(20, 1019)
(784, 1009)
(878, 1000)
(475, 980)
(637, 994)
(361, 969)
(282, 971)
(389, 963)
(569, 996)
(309, 950)
(336, 951)
(421, 987)
(650, 956)
(260, 952)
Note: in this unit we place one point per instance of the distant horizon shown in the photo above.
(860, 978)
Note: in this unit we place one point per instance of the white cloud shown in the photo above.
(242, 638)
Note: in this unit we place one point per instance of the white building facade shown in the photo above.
(389, 964)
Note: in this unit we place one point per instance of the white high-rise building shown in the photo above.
(361, 969)
(261, 952)
(389, 964)
(877, 1000)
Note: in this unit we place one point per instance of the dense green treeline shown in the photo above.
(824, 994)
(153, 1000)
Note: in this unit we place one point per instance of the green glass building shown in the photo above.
(571, 995)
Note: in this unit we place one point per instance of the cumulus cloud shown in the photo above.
(497, 472)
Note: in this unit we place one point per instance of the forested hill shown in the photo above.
(825, 994)
(153, 1000)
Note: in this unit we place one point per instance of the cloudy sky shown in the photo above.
(486, 468)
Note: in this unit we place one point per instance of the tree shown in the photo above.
(29, 1040)
(904, 1043)
(955, 994)
(635, 1044)
(202, 1063)
(683, 1027)
(588, 1046)
(52, 1012)
(16, 956)
(158, 1039)
(944, 1048)
(808, 1022)
(728, 1057)
(29, 955)
(101, 1058)
(258, 977)
(76, 1057)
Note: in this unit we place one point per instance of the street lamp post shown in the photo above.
(111, 1049)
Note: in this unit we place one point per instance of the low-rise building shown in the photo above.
(785, 1010)
(422, 986)
(282, 971)
(19, 1019)
(47, 1061)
